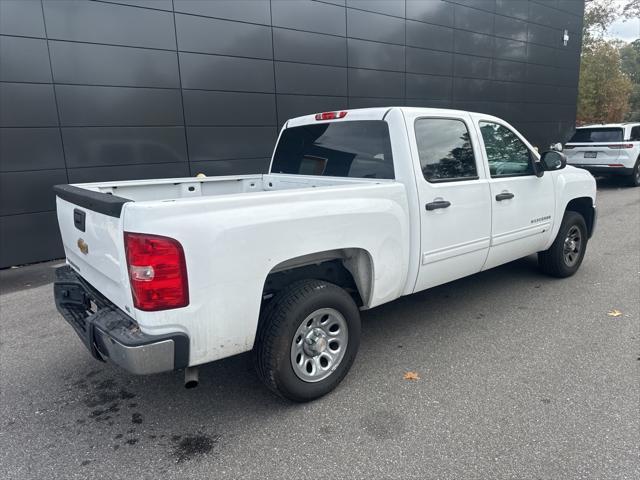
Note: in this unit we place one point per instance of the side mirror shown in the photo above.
(553, 160)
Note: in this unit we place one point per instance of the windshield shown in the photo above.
(597, 135)
(358, 149)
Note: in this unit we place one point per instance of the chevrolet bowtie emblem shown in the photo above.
(82, 245)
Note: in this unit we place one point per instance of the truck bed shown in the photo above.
(176, 188)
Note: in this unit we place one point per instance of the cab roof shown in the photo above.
(375, 113)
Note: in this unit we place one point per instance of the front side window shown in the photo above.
(358, 149)
(506, 153)
(444, 149)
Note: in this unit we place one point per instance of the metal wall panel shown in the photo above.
(307, 47)
(18, 17)
(27, 105)
(224, 143)
(104, 146)
(30, 149)
(89, 64)
(419, 60)
(215, 72)
(28, 238)
(108, 23)
(228, 108)
(252, 11)
(81, 105)
(374, 26)
(425, 35)
(108, 91)
(24, 60)
(310, 79)
(24, 192)
(436, 12)
(376, 56)
(223, 37)
(308, 15)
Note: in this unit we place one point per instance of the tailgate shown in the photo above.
(91, 229)
(586, 154)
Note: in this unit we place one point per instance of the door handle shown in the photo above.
(504, 196)
(437, 204)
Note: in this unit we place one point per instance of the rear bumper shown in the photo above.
(110, 334)
(604, 169)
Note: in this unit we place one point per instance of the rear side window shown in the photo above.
(444, 149)
(635, 134)
(359, 149)
(597, 135)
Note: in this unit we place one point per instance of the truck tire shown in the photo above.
(307, 340)
(634, 178)
(565, 255)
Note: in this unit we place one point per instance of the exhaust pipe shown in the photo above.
(191, 377)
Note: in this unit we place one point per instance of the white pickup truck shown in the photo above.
(360, 207)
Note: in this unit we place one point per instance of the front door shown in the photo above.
(522, 203)
(455, 203)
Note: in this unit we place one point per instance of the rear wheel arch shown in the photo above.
(349, 268)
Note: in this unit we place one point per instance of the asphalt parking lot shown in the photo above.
(521, 377)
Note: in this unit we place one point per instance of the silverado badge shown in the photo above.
(82, 245)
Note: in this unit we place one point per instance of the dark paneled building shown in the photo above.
(127, 89)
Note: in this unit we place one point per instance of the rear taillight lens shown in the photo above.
(568, 147)
(621, 146)
(330, 115)
(157, 272)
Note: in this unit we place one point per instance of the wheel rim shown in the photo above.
(319, 345)
(637, 173)
(572, 246)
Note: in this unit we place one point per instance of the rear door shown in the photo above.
(595, 146)
(454, 199)
(522, 203)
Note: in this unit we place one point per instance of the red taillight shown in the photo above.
(157, 272)
(621, 146)
(330, 115)
(568, 147)
(616, 165)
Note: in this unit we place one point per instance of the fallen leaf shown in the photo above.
(614, 313)
(411, 376)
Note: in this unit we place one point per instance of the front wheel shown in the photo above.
(565, 255)
(307, 340)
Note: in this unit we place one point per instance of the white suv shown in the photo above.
(612, 149)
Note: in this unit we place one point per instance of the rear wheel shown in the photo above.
(565, 255)
(307, 340)
(634, 178)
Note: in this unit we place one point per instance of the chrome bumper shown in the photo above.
(110, 334)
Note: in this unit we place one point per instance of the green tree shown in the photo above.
(605, 90)
(630, 58)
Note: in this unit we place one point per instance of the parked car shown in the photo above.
(359, 207)
(612, 149)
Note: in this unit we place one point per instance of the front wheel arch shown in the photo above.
(583, 206)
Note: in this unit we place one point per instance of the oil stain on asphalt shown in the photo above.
(191, 446)
(106, 399)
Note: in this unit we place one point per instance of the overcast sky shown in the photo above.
(628, 30)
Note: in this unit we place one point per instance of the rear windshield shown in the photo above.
(359, 149)
(597, 135)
